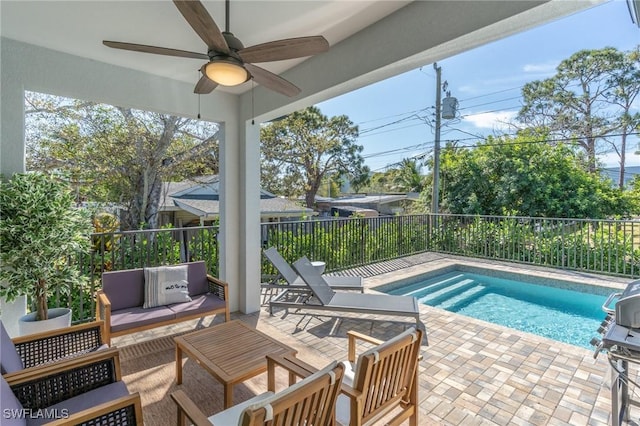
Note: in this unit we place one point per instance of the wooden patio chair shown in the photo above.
(381, 384)
(309, 402)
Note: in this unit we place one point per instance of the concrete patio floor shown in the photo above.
(473, 372)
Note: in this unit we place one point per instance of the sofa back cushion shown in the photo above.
(10, 360)
(125, 289)
(198, 283)
(165, 285)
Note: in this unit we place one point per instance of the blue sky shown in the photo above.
(393, 115)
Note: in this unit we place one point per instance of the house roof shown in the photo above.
(370, 199)
(200, 196)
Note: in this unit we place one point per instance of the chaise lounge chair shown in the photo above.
(294, 280)
(318, 295)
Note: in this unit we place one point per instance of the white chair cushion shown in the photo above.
(288, 391)
(231, 416)
(343, 410)
(343, 405)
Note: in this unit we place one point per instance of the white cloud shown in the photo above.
(492, 120)
(612, 159)
(468, 89)
(548, 67)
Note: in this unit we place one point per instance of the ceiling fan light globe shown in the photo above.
(226, 73)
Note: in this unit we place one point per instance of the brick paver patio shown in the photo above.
(473, 372)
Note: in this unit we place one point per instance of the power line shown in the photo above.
(394, 151)
(411, 117)
(490, 111)
(492, 93)
(394, 115)
(391, 130)
(534, 141)
(492, 102)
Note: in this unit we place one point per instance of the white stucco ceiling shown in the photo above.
(78, 28)
(370, 41)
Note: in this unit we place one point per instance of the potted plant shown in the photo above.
(39, 230)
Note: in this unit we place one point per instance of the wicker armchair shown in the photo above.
(85, 390)
(51, 346)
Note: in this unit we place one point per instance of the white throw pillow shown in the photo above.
(164, 285)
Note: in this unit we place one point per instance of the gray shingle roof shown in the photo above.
(199, 196)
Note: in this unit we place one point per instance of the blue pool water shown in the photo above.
(567, 315)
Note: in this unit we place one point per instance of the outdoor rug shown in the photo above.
(149, 368)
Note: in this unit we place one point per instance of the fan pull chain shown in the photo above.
(198, 98)
(253, 84)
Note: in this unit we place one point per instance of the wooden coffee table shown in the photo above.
(231, 352)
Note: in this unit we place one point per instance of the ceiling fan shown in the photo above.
(229, 62)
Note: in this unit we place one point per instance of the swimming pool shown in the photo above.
(562, 311)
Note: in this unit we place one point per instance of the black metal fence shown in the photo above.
(599, 246)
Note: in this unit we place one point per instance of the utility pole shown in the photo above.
(436, 149)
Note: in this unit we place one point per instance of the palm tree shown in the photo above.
(407, 177)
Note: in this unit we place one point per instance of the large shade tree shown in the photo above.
(625, 83)
(588, 100)
(301, 150)
(525, 176)
(116, 154)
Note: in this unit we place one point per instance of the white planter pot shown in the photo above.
(58, 318)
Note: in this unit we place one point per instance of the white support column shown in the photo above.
(250, 240)
(12, 160)
(230, 189)
(240, 214)
(12, 147)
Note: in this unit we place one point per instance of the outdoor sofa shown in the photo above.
(121, 301)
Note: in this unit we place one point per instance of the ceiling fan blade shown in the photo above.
(205, 85)
(203, 24)
(289, 48)
(153, 49)
(272, 81)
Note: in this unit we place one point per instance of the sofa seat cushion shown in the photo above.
(199, 304)
(125, 319)
(83, 401)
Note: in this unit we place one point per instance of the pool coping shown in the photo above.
(528, 273)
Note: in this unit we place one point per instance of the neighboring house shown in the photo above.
(196, 202)
(384, 204)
